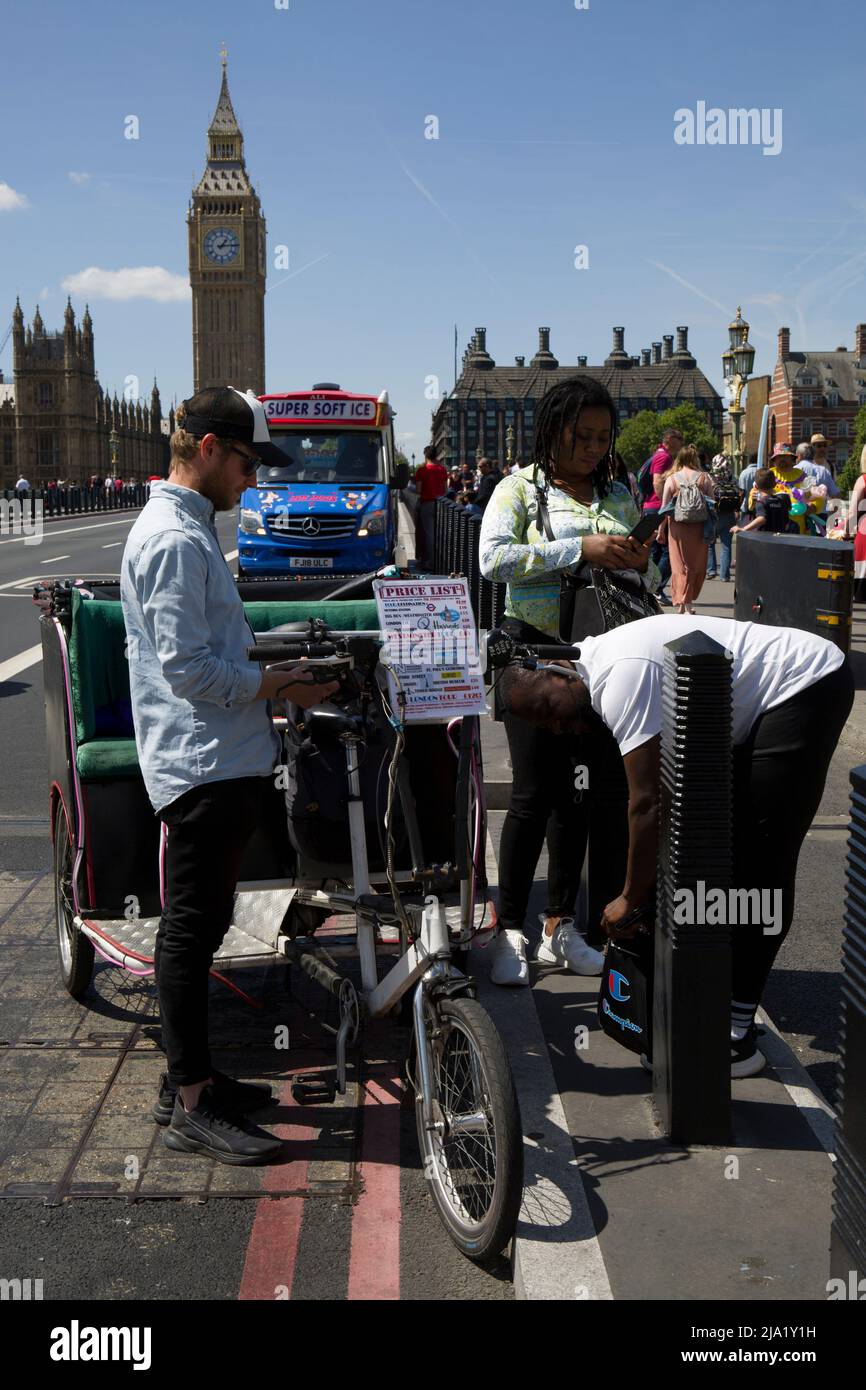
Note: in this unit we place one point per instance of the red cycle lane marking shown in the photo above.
(374, 1259)
(272, 1252)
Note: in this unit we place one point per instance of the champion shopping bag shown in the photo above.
(625, 998)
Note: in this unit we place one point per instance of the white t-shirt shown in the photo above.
(623, 670)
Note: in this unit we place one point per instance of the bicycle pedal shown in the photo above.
(314, 1090)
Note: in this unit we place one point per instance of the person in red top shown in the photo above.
(431, 481)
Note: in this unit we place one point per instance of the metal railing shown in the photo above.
(69, 501)
(456, 537)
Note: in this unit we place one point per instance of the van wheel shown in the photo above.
(74, 948)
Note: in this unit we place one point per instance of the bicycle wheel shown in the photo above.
(74, 948)
(473, 1157)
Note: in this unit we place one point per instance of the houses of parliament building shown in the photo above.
(57, 422)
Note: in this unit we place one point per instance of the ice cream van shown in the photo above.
(331, 507)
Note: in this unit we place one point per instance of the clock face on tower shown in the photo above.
(221, 245)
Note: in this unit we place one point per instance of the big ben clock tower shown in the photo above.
(227, 261)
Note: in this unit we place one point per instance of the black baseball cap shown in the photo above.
(232, 414)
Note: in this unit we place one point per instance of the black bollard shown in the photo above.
(848, 1230)
(692, 991)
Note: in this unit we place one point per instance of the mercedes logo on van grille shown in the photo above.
(310, 526)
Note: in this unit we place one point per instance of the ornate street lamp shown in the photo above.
(113, 441)
(737, 363)
(509, 444)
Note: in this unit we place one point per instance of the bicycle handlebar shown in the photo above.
(502, 648)
(360, 644)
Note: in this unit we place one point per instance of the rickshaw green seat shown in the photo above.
(99, 671)
(344, 615)
(107, 758)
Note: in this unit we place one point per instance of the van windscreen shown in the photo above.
(320, 456)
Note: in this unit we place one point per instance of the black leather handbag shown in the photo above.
(593, 600)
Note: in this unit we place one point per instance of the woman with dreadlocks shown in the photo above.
(591, 516)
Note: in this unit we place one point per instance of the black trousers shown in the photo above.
(779, 776)
(209, 829)
(544, 805)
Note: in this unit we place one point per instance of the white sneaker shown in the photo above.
(567, 947)
(509, 965)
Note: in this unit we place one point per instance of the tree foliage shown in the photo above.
(851, 472)
(641, 435)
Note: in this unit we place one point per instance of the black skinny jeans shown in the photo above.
(209, 828)
(779, 776)
(545, 805)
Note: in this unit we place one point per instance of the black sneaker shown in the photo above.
(746, 1058)
(665, 601)
(240, 1097)
(211, 1130)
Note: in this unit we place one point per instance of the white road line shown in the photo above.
(815, 1109)
(112, 545)
(73, 530)
(55, 559)
(33, 655)
(16, 664)
(556, 1252)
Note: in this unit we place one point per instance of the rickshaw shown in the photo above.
(389, 836)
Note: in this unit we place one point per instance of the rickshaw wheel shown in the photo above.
(475, 1176)
(75, 950)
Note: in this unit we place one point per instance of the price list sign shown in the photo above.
(432, 646)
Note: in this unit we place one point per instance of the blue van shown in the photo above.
(331, 509)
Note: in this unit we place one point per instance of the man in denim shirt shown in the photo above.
(206, 746)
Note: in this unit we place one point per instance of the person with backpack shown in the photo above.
(687, 498)
(727, 507)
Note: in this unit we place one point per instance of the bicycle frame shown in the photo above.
(433, 943)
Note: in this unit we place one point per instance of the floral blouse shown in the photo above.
(514, 549)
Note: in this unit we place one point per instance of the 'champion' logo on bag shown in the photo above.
(616, 982)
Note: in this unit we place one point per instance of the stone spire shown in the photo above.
(17, 324)
(38, 325)
(224, 138)
(69, 328)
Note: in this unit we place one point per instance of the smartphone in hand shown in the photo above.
(645, 528)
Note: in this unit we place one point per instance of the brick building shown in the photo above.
(487, 399)
(818, 393)
(55, 418)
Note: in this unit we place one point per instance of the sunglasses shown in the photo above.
(251, 461)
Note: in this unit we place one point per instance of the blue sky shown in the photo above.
(556, 129)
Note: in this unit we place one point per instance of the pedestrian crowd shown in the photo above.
(470, 488)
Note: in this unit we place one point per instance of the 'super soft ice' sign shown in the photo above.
(308, 408)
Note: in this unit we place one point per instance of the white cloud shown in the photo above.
(769, 299)
(131, 282)
(79, 177)
(44, 293)
(10, 201)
